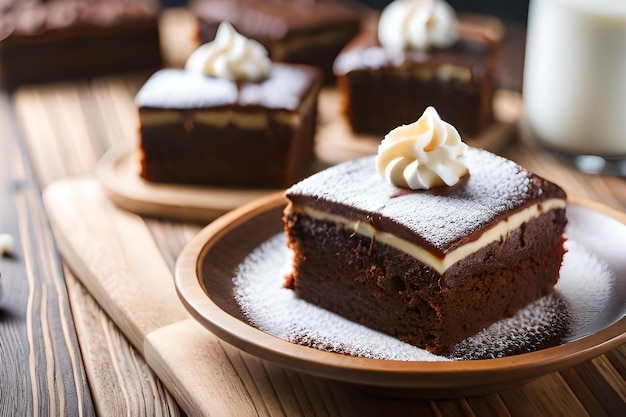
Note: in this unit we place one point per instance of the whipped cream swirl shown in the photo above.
(231, 56)
(423, 154)
(418, 25)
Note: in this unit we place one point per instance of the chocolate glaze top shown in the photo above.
(366, 53)
(176, 89)
(276, 19)
(440, 219)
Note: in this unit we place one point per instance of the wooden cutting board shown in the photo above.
(115, 256)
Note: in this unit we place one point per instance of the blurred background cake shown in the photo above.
(296, 31)
(51, 40)
(419, 54)
(230, 118)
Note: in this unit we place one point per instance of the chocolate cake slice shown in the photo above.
(204, 130)
(381, 89)
(430, 267)
(420, 54)
(42, 41)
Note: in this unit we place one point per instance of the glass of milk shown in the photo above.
(575, 80)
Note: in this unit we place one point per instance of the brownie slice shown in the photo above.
(43, 41)
(301, 32)
(430, 267)
(212, 131)
(381, 89)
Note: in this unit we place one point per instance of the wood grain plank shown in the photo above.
(602, 389)
(52, 146)
(336, 397)
(70, 125)
(62, 149)
(611, 376)
(171, 237)
(281, 385)
(287, 392)
(209, 385)
(308, 395)
(113, 110)
(532, 398)
(618, 359)
(488, 405)
(41, 367)
(123, 269)
(256, 380)
(454, 408)
(583, 393)
(49, 161)
(132, 389)
(371, 403)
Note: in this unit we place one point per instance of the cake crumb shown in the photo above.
(6, 244)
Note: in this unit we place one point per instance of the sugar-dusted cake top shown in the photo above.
(365, 52)
(441, 218)
(177, 89)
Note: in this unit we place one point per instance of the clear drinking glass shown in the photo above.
(575, 81)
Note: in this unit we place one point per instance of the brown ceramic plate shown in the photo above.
(204, 281)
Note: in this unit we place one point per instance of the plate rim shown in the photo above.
(433, 377)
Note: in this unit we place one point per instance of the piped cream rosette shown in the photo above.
(231, 56)
(418, 25)
(423, 154)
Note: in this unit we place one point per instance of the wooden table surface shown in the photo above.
(61, 354)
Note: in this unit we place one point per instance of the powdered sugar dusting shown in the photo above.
(583, 289)
(541, 324)
(588, 296)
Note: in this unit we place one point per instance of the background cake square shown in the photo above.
(385, 83)
(300, 32)
(212, 131)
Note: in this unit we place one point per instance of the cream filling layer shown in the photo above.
(497, 232)
(222, 118)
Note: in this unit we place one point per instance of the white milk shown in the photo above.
(575, 75)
